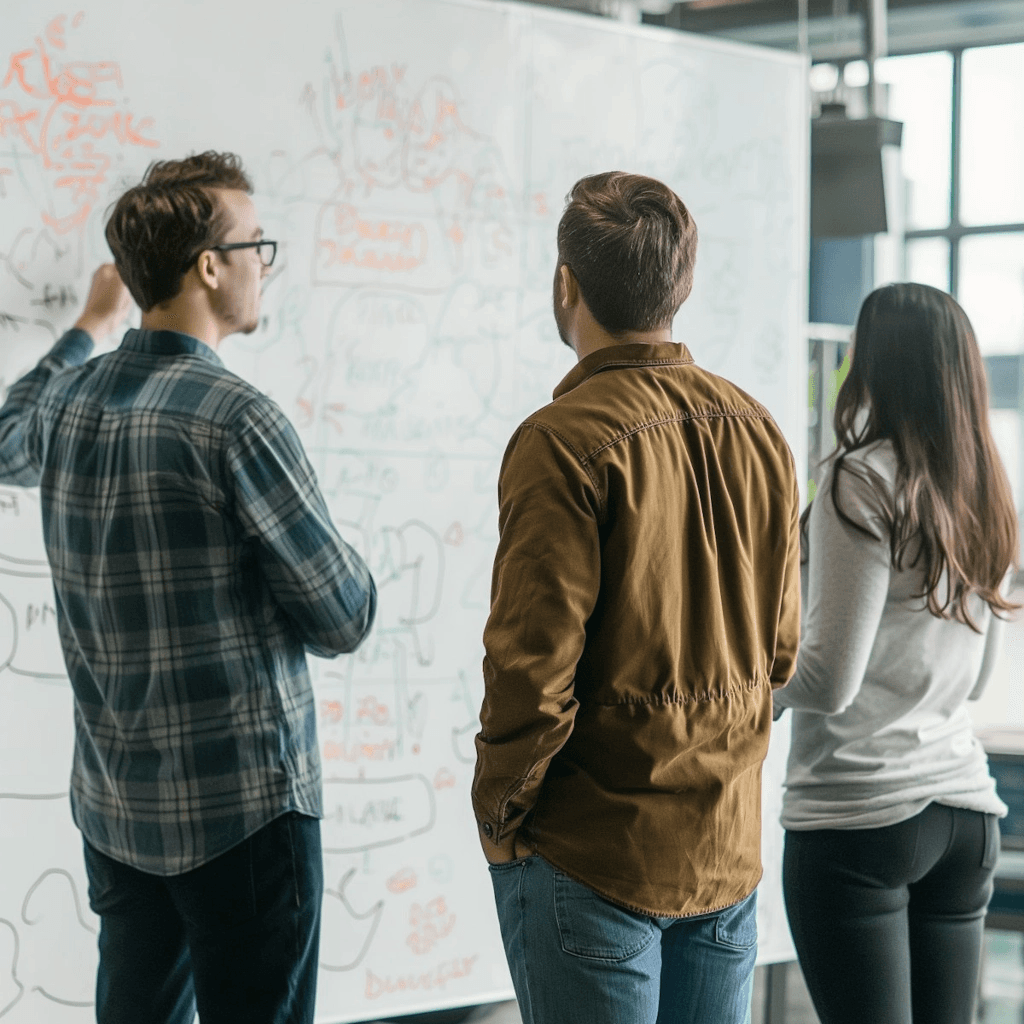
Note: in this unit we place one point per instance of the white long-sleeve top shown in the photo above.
(880, 726)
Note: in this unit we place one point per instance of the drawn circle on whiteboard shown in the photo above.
(8, 632)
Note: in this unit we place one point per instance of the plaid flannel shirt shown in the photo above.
(194, 563)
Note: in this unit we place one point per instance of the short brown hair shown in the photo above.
(631, 245)
(160, 226)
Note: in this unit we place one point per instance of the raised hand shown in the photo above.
(107, 304)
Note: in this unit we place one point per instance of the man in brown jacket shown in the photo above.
(644, 604)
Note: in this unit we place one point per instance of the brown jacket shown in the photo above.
(645, 600)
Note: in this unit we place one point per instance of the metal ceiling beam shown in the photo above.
(910, 30)
(912, 27)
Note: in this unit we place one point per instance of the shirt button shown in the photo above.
(488, 829)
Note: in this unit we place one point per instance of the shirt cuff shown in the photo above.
(499, 847)
(74, 347)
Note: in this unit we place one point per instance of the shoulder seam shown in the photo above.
(577, 454)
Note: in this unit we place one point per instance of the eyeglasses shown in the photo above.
(267, 250)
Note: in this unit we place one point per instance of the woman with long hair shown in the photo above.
(907, 553)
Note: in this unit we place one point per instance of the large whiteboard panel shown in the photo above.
(412, 157)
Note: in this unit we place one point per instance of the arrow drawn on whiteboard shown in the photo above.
(374, 914)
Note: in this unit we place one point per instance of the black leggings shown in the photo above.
(888, 922)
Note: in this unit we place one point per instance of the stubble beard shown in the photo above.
(556, 309)
(561, 332)
(253, 325)
(234, 318)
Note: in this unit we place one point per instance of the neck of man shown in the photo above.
(591, 337)
(185, 318)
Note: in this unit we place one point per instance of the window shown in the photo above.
(992, 290)
(963, 157)
(992, 136)
(921, 96)
(928, 262)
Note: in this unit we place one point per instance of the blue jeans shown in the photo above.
(576, 958)
(238, 936)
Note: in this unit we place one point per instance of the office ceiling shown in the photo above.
(835, 27)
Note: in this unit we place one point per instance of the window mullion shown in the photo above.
(954, 175)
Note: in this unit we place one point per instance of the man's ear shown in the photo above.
(570, 287)
(208, 268)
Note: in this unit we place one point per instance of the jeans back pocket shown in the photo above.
(595, 929)
(737, 926)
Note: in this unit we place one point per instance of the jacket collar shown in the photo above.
(168, 343)
(617, 356)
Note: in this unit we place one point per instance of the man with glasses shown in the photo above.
(194, 564)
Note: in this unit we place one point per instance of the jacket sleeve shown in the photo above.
(787, 638)
(545, 584)
(320, 581)
(848, 583)
(21, 431)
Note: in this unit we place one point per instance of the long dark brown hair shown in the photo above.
(918, 375)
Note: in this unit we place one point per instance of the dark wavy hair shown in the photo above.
(158, 228)
(918, 373)
(631, 245)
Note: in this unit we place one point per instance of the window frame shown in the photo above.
(955, 230)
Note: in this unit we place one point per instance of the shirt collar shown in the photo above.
(616, 356)
(168, 343)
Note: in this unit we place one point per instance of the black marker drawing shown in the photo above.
(34, 796)
(338, 926)
(47, 910)
(462, 741)
(56, 297)
(8, 632)
(463, 746)
(16, 625)
(363, 814)
(11, 988)
(414, 556)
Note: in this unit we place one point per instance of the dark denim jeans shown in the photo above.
(888, 922)
(238, 937)
(576, 958)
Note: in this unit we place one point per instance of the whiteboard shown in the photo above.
(411, 156)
